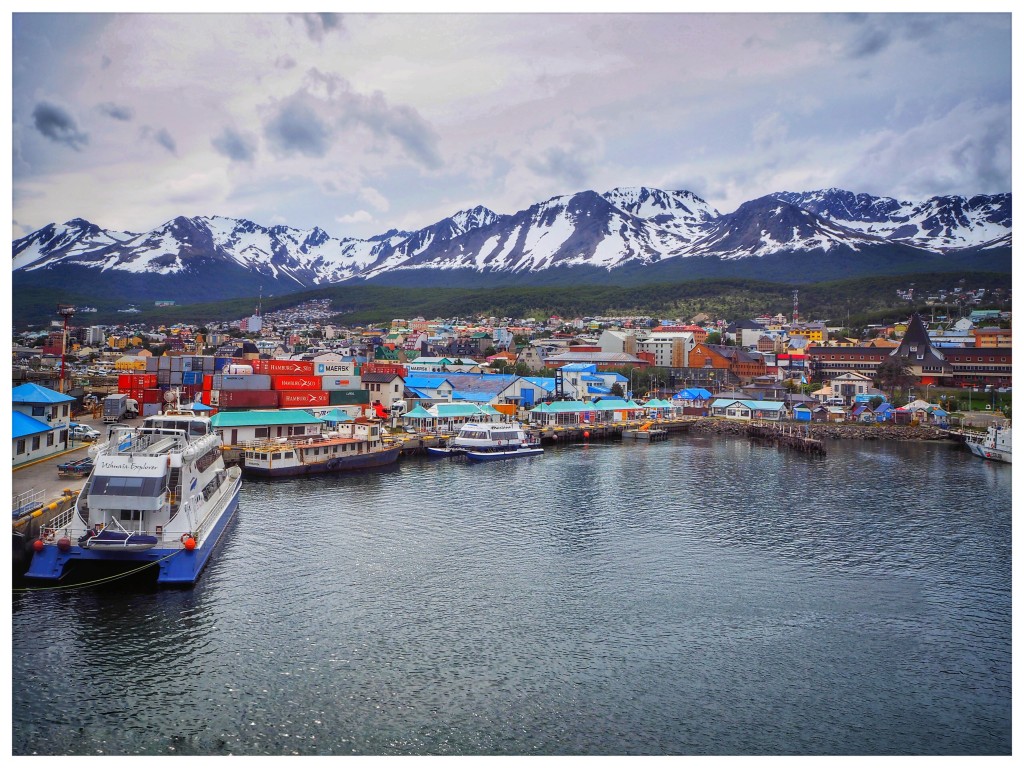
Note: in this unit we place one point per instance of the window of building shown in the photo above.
(20, 448)
(35, 443)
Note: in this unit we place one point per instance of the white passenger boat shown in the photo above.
(159, 494)
(993, 444)
(486, 441)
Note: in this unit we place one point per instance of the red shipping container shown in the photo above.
(258, 366)
(124, 382)
(207, 382)
(297, 367)
(152, 396)
(303, 399)
(247, 398)
(206, 397)
(295, 382)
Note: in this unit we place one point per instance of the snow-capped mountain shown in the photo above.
(636, 230)
(939, 223)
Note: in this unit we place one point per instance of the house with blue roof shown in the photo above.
(582, 381)
(493, 389)
(40, 419)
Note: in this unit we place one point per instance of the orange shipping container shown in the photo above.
(295, 382)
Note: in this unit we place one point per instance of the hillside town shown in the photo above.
(437, 374)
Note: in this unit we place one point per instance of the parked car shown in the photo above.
(83, 432)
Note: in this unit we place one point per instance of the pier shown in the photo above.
(789, 436)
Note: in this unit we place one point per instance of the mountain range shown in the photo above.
(625, 236)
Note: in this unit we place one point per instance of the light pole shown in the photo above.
(630, 395)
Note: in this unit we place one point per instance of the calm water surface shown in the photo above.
(697, 596)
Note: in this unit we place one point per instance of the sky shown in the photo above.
(360, 123)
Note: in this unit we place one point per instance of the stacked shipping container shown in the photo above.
(271, 384)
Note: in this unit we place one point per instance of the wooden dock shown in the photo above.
(789, 436)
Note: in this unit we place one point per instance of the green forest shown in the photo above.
(852, 303)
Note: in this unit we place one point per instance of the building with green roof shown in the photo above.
(240, 427)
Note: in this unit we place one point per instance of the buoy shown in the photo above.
(64, 544)
(37, 545)
(586, 434)
(190, 543)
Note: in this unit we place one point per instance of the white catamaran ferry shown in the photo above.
(158, 494)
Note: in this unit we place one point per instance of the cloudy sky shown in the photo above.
(361, 123)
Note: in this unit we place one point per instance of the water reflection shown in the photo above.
(698, 596)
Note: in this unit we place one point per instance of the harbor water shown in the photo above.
(697, 596)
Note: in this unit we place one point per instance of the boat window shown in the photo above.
(131, 514)
(106, 485)
(275, 456)
(197, 428)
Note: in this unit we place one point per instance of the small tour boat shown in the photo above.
(487, 441)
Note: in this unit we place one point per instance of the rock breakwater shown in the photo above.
(833, 431)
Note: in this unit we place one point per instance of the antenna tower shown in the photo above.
(67, 312)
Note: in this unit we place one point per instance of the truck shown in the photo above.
(115, 408)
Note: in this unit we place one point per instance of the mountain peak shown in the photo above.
(632, 227)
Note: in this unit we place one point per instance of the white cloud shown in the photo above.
(358, 217)
(403, 118)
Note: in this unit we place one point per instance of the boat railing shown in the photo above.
(63, 520)
(147, 443)
(296, 442)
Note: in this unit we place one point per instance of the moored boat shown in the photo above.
(353, 446)
(994, 444)
(486, 441)
(159, 494)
